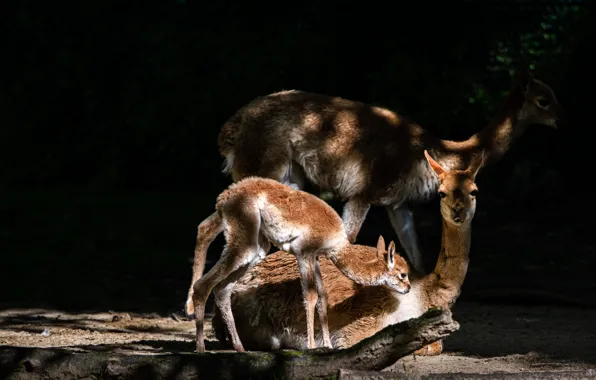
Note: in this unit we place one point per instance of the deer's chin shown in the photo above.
(552, 123)
(400, 289)
(457, 220)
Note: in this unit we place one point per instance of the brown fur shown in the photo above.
(257, 212)
(265, 299)
(365, 154)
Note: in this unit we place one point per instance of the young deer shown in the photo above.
(265, 300)
(257, 212)
(367, 155)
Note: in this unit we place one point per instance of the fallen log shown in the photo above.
(374, 353)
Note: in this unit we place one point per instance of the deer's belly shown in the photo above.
(418, 184)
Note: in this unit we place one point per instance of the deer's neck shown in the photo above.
(444, 283)
(359, 264)
(495, 139)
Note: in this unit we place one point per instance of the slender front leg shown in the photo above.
(402, 220)
(322, 305)
(306, 266)
(354, 213)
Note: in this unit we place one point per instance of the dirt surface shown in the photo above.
(492, 338)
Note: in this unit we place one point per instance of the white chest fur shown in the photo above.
(410, 306)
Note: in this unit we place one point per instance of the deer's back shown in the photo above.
(285, 213)
(345, 146)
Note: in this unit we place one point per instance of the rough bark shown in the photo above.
(374, 353)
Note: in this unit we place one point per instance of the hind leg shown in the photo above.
(306, 267)
(223, 293)
(231, 261)
(242, 247)
(286, 172)
(322, 305)
(223, 301)
(206, 233)
(264, 156)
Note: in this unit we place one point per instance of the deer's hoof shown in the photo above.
(189, 309)
(433, 349)
(239, 349)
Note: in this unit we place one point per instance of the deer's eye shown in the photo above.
(442, 194)
(543, 102)
(474, 193)
(403, 276)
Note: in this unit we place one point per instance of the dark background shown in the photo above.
(109, 115)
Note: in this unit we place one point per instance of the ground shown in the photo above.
(492, 338)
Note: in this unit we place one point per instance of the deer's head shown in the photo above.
(397, 272)
(457, 189)
(540, 103)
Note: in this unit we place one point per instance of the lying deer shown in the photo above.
(257, 212)
(265, 300)
(367, 155)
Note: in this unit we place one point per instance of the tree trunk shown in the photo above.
(374, 353)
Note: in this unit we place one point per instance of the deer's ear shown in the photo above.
(476, 163)
(391, 255)
(380, 245)
(438, 169)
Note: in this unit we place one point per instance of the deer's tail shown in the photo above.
(227, 136)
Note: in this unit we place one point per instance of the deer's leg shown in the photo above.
(294, 176)
(206, 233)
(306, 267)
(201, 290)
(353, 216)
(243, 247)
(322, 305)
(224, 290)
(433, 349)
(402, 220)
(264, 156)
(223, 300)
(233, 260)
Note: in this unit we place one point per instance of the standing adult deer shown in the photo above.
(257, 212)
(367, 155)
(265, 300)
